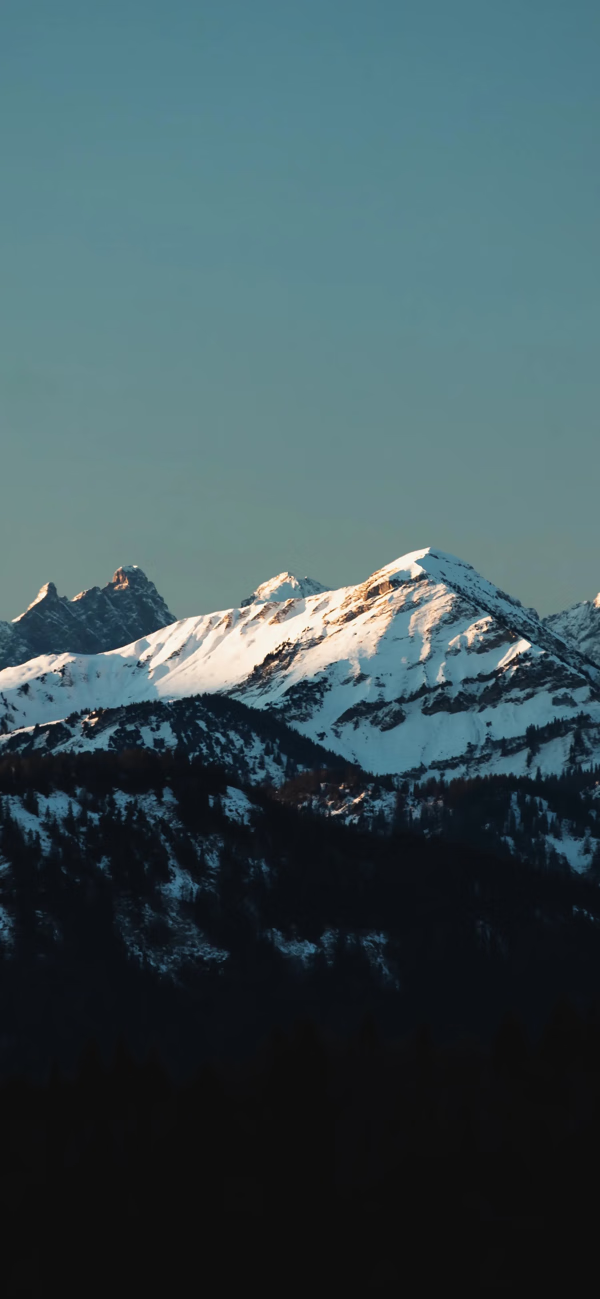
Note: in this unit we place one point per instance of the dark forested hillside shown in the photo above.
(549, 821)
(333, 999)
(141, 892)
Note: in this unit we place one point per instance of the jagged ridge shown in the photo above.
(96, 620)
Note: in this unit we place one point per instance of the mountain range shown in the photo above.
(424, 668)
(231, 818)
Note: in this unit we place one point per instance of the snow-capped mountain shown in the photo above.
(426, 666)
(579, 626)
(284, 587)
(101, 618)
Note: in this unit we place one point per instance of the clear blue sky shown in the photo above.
(298, 284)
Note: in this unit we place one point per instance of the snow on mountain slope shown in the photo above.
(425, 666)
(284, 587)
(579, 626)
(95, 620)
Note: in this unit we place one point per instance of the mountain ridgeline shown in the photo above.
(425, 669)
(99, 619)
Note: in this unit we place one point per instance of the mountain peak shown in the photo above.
(47, 591)
(95, 620)
(129, 575)
(285, 586)
(439, 566)
(579, 626)
(430, 562)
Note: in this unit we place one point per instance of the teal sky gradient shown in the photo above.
(298, 284)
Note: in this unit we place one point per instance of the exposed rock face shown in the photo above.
(99, 619)
(13, 646)
(579, 626)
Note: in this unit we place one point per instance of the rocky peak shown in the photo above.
(285, 586)
(47, 593)
(129, 577)
(98, 619)
(579, 627)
